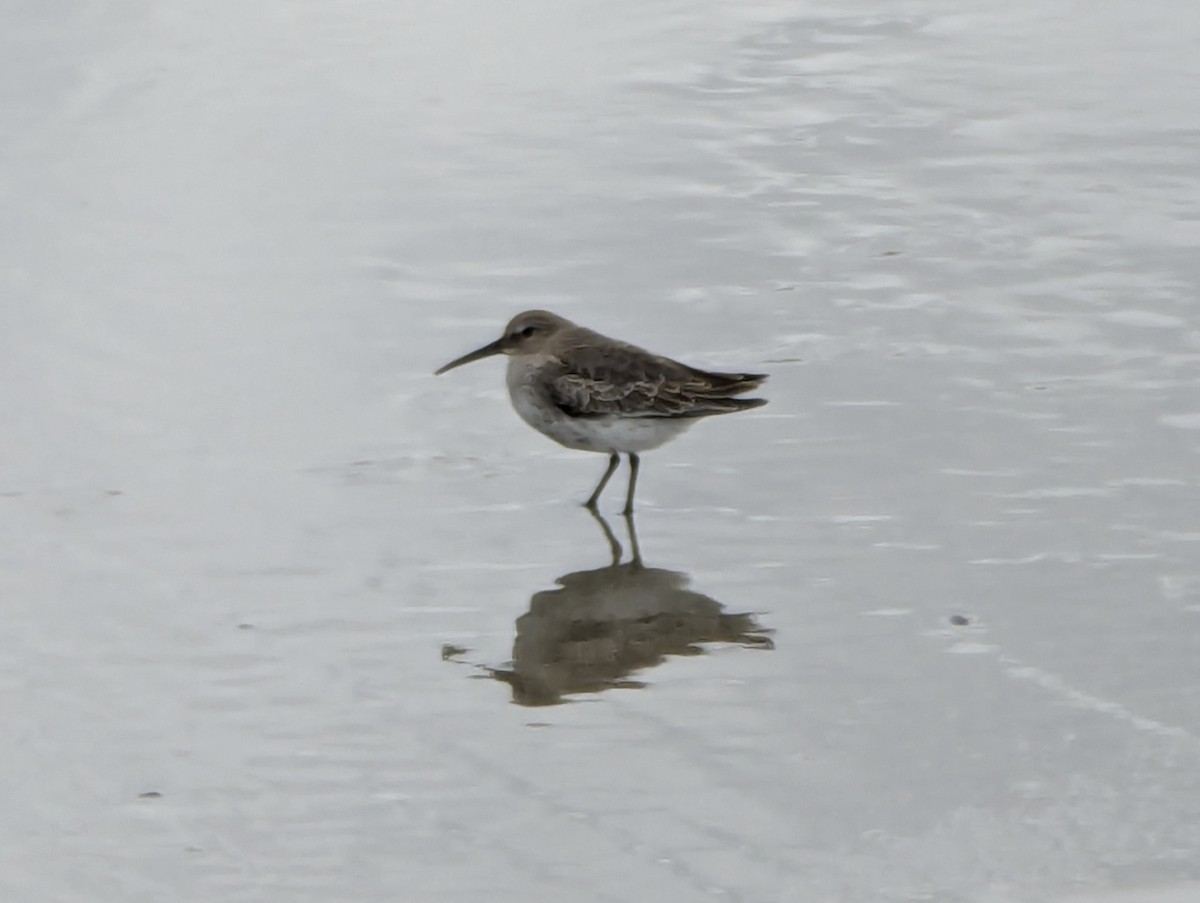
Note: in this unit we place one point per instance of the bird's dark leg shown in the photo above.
(633, 471)
(613, 460)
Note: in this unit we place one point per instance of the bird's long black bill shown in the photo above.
(480, 353)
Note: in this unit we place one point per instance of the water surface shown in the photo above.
(242, 519)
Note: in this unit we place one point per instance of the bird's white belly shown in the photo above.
(598, 434)
(613, 434)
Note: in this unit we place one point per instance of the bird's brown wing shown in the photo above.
(615, 379)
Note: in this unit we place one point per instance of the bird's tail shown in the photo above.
(713, 393)
(726, 385)
(708, 406)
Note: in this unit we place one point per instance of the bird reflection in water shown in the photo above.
(602, 625)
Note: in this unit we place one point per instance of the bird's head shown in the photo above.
(526, 333)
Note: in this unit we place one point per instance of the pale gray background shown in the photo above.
(240, 517)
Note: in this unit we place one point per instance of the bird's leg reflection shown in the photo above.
(613, 545)
(601, 625)
(636, 560)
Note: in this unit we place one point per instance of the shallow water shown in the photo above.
(260, 565)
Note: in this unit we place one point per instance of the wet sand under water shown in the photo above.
(287, 618)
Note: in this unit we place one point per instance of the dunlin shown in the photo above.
(587, 391)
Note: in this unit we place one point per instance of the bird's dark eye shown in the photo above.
(528, 331)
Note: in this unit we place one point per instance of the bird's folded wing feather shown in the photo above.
(625, 381)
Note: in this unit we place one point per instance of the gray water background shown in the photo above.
(241, 519)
